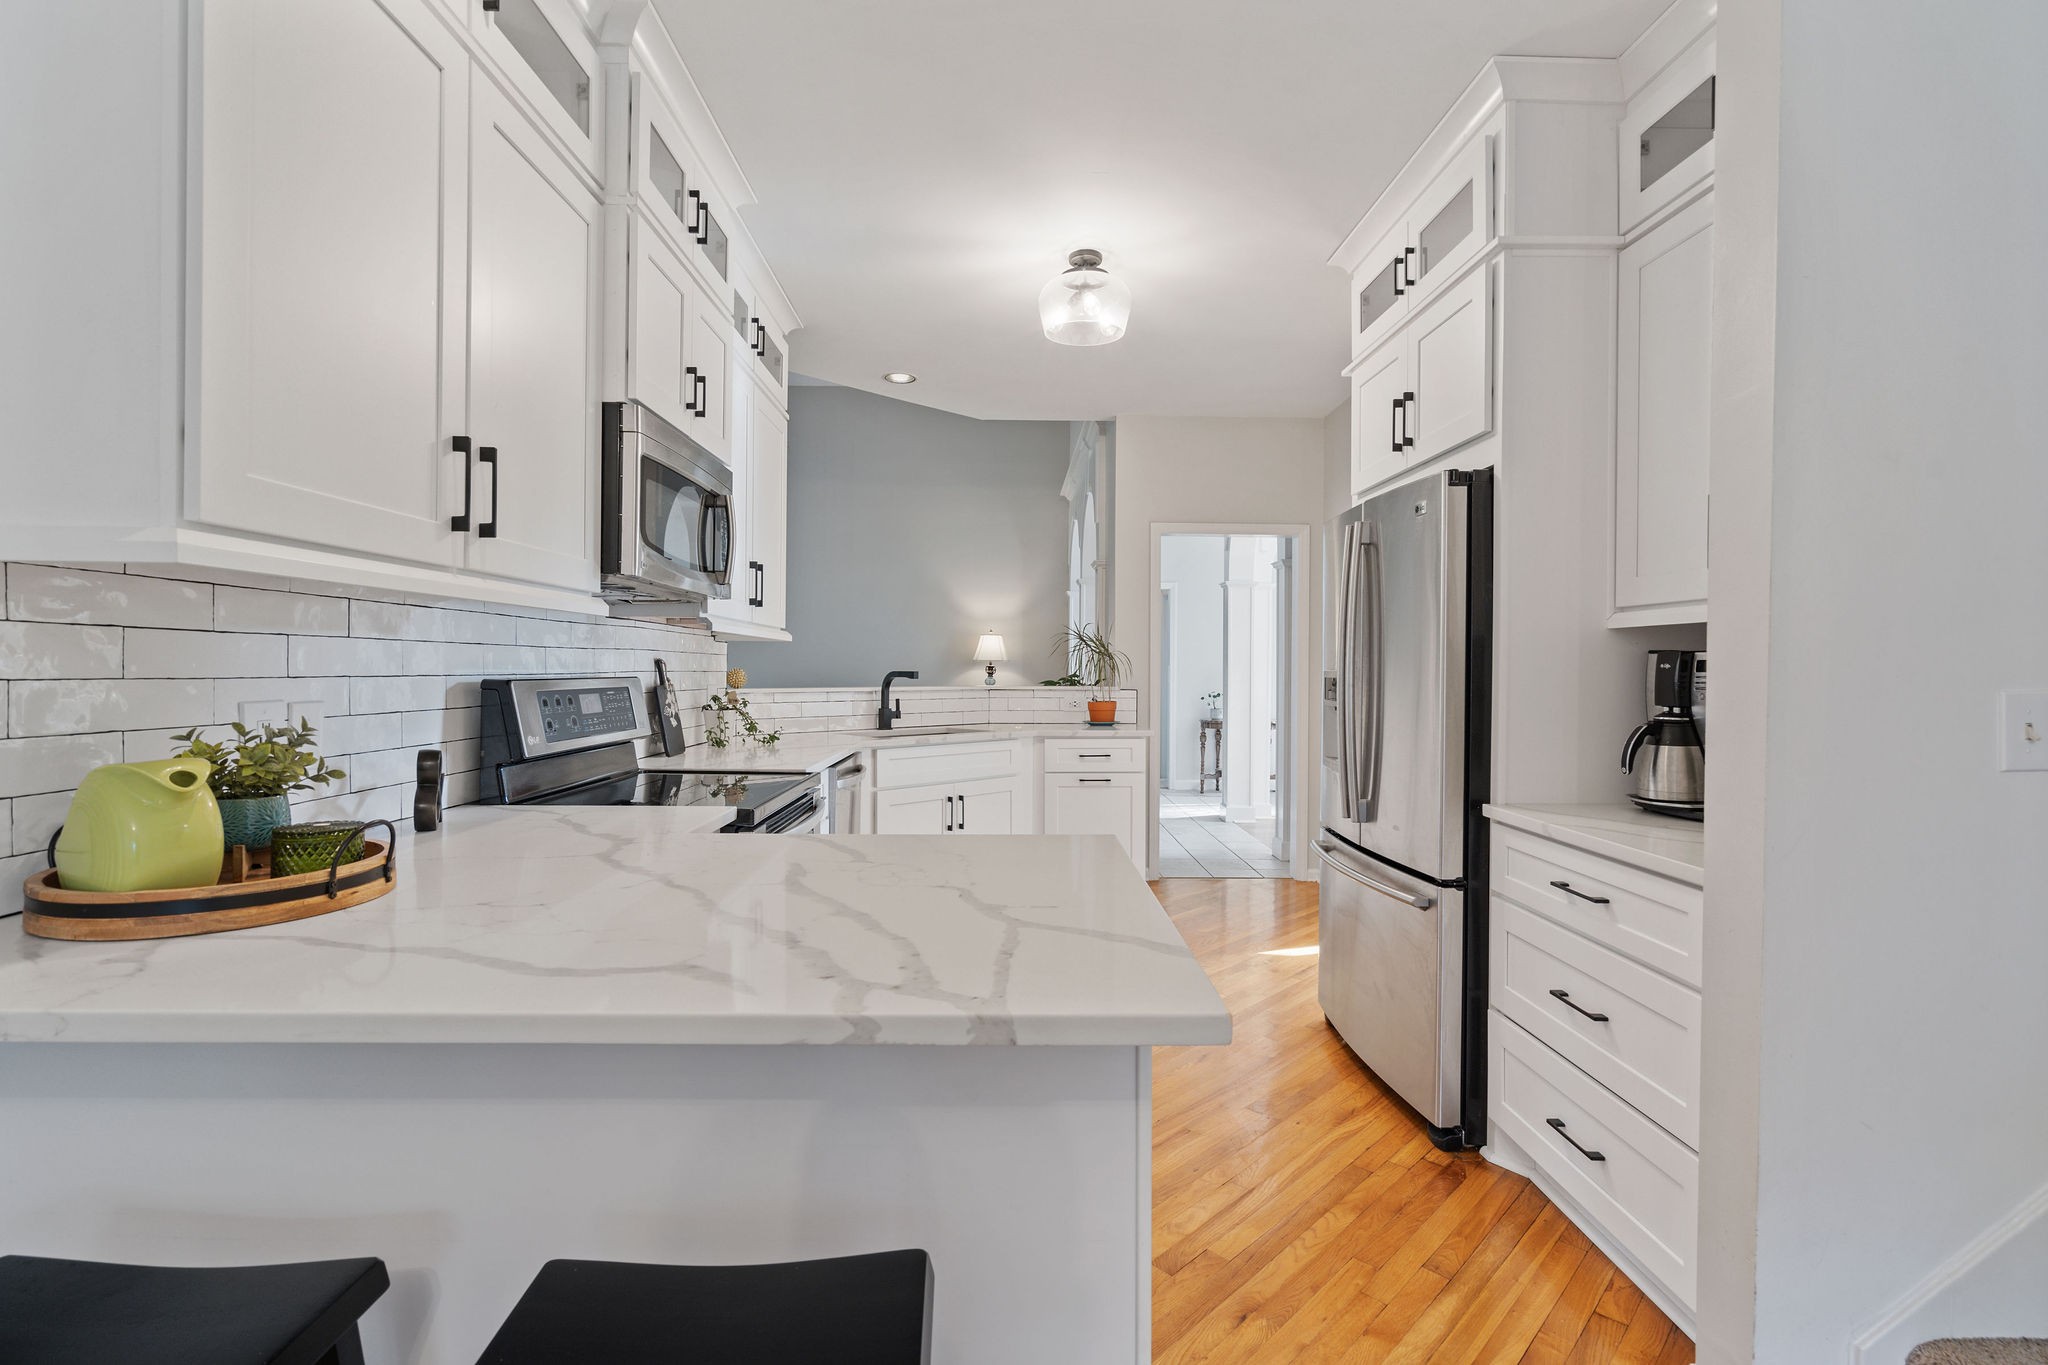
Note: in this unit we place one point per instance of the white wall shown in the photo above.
(1902, 1083)
(1214, 472)
(1194, 567)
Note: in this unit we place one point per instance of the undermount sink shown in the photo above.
(874, 733)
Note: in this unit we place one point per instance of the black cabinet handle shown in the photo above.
(760, 585)
(963, 815)
(949, 815)
(1394, 424)
(488, 530)
(1585, 1152)
(1567, 998)
(1408, 269)
(692, 400)
(490, 6)
(1398, 290)
(1571, 890)
(1407, 411)
(460, 521)
(1097, 779)
(700, 227)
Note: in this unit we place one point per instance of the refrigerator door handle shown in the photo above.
(1420, 902)
(1363, 660)
(1346, 684)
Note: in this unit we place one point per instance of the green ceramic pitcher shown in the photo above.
(141, 827)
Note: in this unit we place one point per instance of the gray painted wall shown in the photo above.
(1194, 567)
(911, 531)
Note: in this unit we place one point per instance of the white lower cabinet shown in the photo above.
(1101, 803)
(960, 788)
(1594, 1041)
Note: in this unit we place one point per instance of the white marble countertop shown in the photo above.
(621, 925)
(1662, 844)
(815, 751)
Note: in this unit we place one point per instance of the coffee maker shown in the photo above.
(1666, 753)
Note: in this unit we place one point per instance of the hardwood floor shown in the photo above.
(1300, 1213)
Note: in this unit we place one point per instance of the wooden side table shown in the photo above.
(1204, 773)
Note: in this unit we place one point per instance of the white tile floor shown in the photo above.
(1196, 841)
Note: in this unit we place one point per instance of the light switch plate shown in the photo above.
(2023, 732)
(256, 713)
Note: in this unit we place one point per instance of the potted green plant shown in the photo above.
(1101, 667)
(730, 718)
(253, 775)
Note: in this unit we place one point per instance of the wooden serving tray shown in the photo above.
(49, 911)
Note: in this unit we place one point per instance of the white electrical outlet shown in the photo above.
(311, 710)
(1073, 703)
(2023, 732)
(255, 713)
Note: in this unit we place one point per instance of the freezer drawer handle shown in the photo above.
(1566, 996)
(1585, 1152)
(1374, 884)
(1571, 890)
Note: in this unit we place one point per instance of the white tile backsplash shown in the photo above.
(31, 649)
(40, 592)
(98, 665)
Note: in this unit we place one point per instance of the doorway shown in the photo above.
(1223, 680)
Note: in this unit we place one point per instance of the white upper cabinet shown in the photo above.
(541, 48)
(1380, 290)
(767, 509)
(678, 349)
(1379, 402)
(533, 399)
(1667, 137)
(1452, 221)
(1450, 370)
(669, 180)
(1662, 421)
(333, 211)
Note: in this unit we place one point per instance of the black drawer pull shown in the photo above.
(1098, 779)
(1571, 890)
(1567, 998)
(1585, 1152)
(949, 815)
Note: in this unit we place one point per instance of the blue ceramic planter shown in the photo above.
(249, 820)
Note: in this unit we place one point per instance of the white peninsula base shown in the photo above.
(1024, 1171)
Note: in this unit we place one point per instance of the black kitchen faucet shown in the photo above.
(887, 717)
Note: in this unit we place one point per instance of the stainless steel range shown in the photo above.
(576, 742)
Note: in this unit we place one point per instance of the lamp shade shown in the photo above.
(1083, 305)
(989, 649)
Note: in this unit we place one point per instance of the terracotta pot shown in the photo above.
(1101, 712)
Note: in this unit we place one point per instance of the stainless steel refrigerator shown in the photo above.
(1406, 755)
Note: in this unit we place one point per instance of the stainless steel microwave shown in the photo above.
(667, 509)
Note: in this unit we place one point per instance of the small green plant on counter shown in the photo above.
(730, 718)
(1096, 663)
(273, 762)
(1071, 680)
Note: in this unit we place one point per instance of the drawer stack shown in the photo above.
(1595, 1045)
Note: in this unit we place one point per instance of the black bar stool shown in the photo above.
(56, 1312)
(849, 1310)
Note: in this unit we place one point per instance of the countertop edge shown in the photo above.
(1552, 825)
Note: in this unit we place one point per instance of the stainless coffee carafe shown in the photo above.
(1665, 753)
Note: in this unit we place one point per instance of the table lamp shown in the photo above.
(989, 650)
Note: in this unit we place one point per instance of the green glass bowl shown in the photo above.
(297, 849)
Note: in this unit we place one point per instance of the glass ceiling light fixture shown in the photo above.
(1082, 305)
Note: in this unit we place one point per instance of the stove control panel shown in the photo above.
(587, 713)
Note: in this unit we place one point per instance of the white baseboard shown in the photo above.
(1920, 1313)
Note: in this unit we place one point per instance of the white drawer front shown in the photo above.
(1644, 1191)
(1640, 915)
(1095, 755)
(1645, 1048)
(924, 765)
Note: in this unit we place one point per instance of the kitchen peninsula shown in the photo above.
(594, 1032)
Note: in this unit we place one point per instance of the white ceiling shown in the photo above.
(924, 166)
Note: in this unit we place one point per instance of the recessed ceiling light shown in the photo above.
(900, 377)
